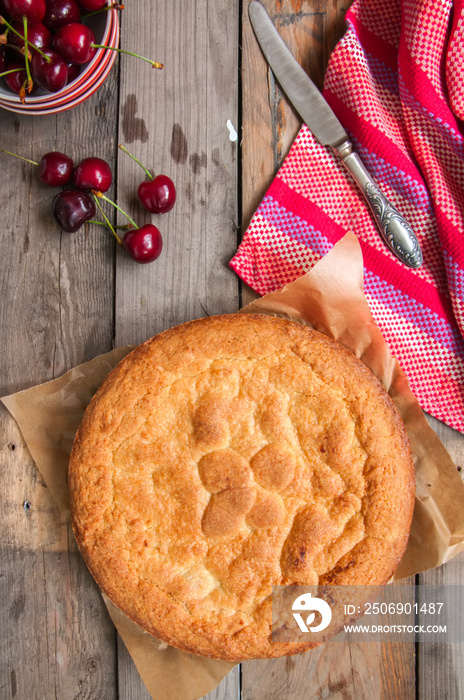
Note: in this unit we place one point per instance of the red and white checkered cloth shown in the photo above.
(395, 81)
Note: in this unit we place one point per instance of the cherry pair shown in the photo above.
(56, 169)
(73, 208)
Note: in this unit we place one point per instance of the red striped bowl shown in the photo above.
(106, 29)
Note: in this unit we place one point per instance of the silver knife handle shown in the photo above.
(394, 229)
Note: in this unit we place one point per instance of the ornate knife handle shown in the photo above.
(394, 229)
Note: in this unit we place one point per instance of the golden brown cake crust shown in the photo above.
(228, 455)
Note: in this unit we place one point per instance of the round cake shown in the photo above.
(229, 455)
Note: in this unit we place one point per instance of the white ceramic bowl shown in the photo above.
(106, 29)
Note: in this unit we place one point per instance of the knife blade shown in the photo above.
(321, 120)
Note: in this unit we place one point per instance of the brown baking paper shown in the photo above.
(330, 299)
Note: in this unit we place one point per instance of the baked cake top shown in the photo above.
(228, 455)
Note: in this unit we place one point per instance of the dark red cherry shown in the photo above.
(72, 208)
(55, 169)
(92, 5)
(93, 174)
(50, 75)
(74, 42)
(33, 10)
(143, 244)
(61, 12)
(16, 80)
(37, 34)
(2, 60)
(158, 196)
(73, 71)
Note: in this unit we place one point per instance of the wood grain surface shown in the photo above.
(65, 298)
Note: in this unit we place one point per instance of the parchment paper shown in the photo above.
(330, 299)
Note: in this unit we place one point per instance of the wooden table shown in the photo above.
(66, 298)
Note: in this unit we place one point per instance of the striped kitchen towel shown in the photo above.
(395, 81)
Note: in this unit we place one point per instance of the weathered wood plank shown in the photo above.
(56, 310)
(176, 122)
(337, 670)
(440, 667)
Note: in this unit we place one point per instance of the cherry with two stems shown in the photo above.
(158, 194)
(144, 244)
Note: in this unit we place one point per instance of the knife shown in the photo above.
(319, 117)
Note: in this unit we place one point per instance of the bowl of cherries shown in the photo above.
(54, 54)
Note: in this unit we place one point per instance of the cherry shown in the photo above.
(75, 42)
(144, 245)
(73, 71)
(93, 174)
(37, 34)
(2, 60)
(72, 208)
(55, 169)
(33, 10)
(92, 5)
(49, 71)
(61, 12)
(158, 194)
(16, 81)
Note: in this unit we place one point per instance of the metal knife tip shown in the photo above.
(255, 6)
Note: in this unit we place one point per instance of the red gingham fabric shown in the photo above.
(395, 81)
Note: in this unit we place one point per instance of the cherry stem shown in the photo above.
(100, 195)
(2, 150)
(26, 56)
(113, 6)
(24, 38)
(95, 196)
(7, 72)
(154, 64)
(123, 227)
(22, 93)
(123, 148)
